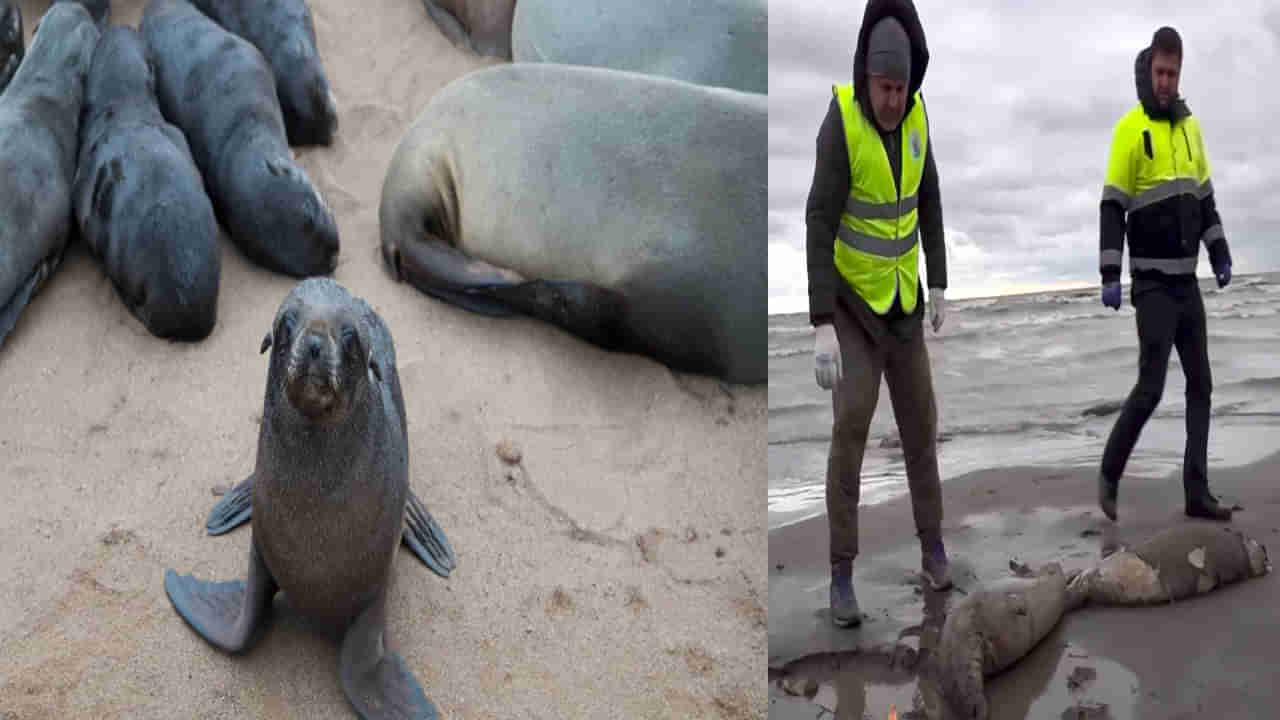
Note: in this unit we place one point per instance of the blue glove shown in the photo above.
(1224, 274)
(1111, 295)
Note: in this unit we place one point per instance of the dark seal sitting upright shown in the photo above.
(285, 34)
(139, 200)
(11, 41)
(39, 138)
(329, 495)
(218, 89)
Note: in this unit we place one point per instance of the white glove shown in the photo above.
(937, 307)
(826, 357)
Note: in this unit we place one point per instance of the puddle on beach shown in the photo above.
(1056, 680)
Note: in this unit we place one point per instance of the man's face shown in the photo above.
(1165, 69)
(888, 100)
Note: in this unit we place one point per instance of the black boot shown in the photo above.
(844, 604)
(1207, 507)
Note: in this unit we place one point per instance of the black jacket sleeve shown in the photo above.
(1219, 252)
(930, 220)
(1112, 237)
(827, 197)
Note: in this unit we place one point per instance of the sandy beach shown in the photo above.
(1213, 655)
(617, 571)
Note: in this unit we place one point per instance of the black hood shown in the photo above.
(905, 12)
(1147, 93)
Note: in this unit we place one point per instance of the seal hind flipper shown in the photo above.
(426, 538)
(10, 312)
(226, 614)
(376, 681)
(233, 510)
(585, 310)
(445, 272)
(449, 26)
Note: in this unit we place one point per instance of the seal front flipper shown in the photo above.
(227, 614)
(233, 510)
(426, 538)
(376, 681)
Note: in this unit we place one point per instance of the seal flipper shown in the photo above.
(426, 538)
(233, 510)
(587, 311)
(227, 614)
(443, 271)
(449, 26)
(10, 312)
(376, 681)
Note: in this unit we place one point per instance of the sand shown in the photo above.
(1210, 656)
(618, 571)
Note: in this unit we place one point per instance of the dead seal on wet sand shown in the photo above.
(1000, 623)
(482, 26)
(330, 489)
(629, 210)
(1175, 564)
(39, 140)
(11, 41)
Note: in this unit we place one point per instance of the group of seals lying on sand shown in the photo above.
(330, 493)
(219, 89)
(630, 206)
(39, 128)
(139, 201)
(993, 628)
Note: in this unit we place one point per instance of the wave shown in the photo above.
(801, 409)
(788, 352)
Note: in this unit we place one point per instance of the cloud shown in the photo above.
(1022, 100)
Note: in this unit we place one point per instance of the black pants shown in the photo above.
(1168, 316)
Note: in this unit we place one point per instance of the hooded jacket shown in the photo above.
(1163, 232)
(830, 189)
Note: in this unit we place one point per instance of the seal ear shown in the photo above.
(373, 365)
(266, 343)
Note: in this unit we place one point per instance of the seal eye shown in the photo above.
(351, 342)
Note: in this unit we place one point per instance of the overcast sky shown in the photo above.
(1022, 98)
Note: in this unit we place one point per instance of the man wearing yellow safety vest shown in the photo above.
(1158, 174)
(873, 204)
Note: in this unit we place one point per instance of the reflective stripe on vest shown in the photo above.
(877, 247)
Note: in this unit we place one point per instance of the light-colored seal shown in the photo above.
(482, 26)
(11, 41)
(627, 209)
(39, 128)
(709, 42)
(285, 33)
(219, 90)
(329, 497)
(1175, 564)
(139, 201)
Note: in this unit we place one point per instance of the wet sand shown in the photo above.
(616, 572)
(1215, 655)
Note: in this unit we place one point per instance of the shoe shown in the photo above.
(844, 604)
(1209, 510)
(933, 561)
(1107, 496)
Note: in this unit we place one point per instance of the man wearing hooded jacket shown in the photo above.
(873, 205)
(1158, 174)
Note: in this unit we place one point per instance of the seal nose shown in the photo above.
(313, 347)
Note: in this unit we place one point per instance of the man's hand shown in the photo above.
(826, 357)
(937, 307)
(1223, 273)
(1111, 294)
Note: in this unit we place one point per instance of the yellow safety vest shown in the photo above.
(877, 248)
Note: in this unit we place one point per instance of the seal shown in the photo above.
(39, 134)
(11, 41)
(991, 629)
(1175, 564)
(285, 33)
(218, 89)
(711, 42)
(329, 497)
(138, 198)
(99, 10)
(482, 26)
(629, 211)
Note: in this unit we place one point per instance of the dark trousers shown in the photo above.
(1168, 317)
(905, 368)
